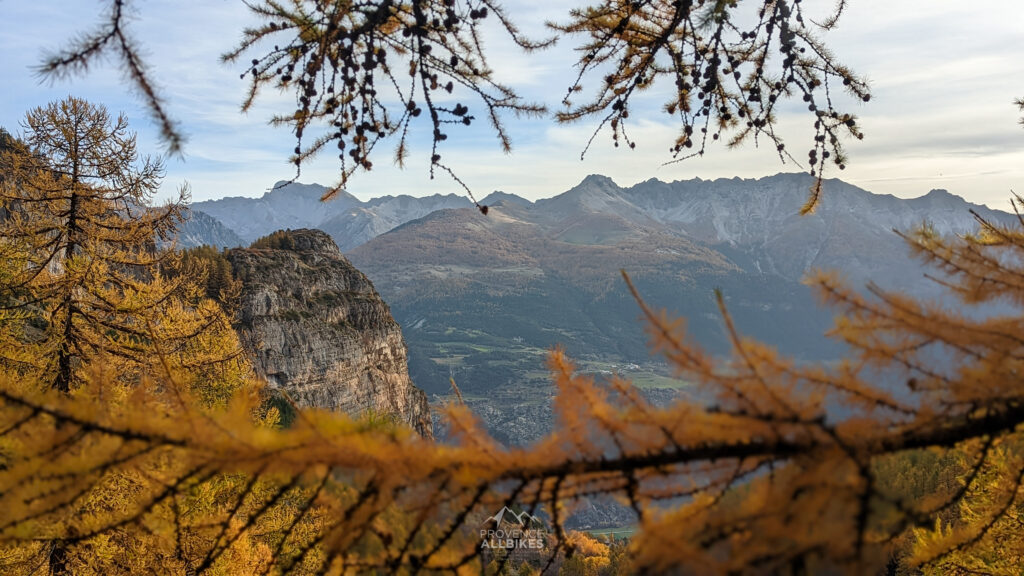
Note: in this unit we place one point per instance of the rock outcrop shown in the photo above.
(316, 328)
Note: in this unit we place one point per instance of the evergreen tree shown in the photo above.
(220, 282)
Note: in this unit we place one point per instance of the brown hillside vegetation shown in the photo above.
(513, 245)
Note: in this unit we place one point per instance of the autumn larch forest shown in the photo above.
(182, 392)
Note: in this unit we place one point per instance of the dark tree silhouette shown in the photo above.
(366, 71)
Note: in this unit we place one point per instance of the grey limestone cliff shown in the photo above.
(317, 329)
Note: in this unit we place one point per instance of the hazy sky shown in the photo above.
(943, 73)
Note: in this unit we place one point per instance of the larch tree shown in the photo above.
(91, 303)
(87, 281)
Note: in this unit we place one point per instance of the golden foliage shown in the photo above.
(93, 309)
(770, 479)
(83, 277)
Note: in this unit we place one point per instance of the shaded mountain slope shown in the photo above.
(482, 298)
(199, 228)
(485, 296)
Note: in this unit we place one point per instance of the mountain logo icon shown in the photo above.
(506, 514)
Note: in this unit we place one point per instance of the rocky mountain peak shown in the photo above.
(287, 191)
(940, 198)
(497, 198)
(594, 185)
(940, 193)
(595, 194)
(598, 180)
(295, 189)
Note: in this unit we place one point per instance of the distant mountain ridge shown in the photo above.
(199, 228)
(851, 231)
(348, 220)
(746, 213)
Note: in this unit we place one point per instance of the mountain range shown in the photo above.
(482, 298)
(753, 222)
(349, 221)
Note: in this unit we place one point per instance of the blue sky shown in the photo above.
(943, 73)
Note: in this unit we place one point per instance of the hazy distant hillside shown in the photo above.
(283, 206)
(499, 198)
(756, 223)
(200, 228)
(348, 220)
(482, 298)
(752, 222)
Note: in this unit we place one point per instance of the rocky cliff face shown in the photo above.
(317, 329)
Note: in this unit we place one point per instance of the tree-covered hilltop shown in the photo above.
(219, 280)
(279, 240)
